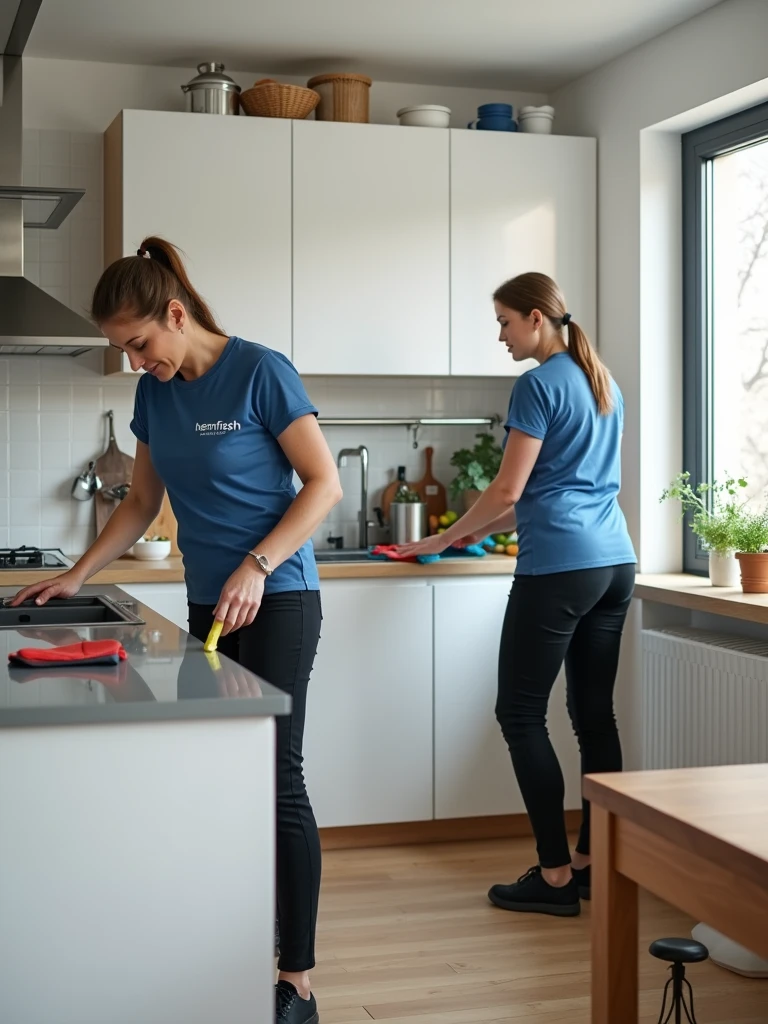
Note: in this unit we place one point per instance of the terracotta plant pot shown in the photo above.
(469, 498)
(754, 572)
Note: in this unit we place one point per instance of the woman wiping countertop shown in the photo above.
(222, 424)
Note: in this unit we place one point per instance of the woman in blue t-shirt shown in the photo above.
(222, 424)
(558, 485)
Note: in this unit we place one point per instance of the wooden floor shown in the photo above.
(406, 935)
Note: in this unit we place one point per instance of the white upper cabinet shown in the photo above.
(518, 203)
(371, 249)
(220, 189)
(356, 249)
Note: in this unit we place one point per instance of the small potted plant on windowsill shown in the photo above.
(717, 511)
(477, 467)
(752, 551)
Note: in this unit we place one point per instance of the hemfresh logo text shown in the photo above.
(218, 428)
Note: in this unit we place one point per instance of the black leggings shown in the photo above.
(576, 617)
(280, 647)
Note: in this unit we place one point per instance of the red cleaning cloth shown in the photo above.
(87, 652)
(390, 551)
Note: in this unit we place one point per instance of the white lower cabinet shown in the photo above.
(368, 736)
(167, 599)
(400, 722)
(473, 771)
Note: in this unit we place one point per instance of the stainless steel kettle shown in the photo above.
(211, 91)
(86, 485)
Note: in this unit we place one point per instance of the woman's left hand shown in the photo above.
(429, 546)
(240, 597)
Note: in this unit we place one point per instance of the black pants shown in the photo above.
(576, 618)
(280, 647)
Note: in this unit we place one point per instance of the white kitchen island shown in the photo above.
(137, 834)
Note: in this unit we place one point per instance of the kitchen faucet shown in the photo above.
(362, 454)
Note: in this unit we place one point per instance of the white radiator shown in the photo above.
(705, 699)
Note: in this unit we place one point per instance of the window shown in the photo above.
(725, 305)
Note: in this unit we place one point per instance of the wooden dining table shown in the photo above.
(695, 837)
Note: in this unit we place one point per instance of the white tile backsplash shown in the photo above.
(56, 422)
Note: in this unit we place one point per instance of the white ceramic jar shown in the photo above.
(425, 115)
(536, 120)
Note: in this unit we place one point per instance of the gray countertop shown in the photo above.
(167, 676)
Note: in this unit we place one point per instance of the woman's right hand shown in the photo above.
(66, 585)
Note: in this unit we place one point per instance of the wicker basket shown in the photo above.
(268, 98)
(343, 97)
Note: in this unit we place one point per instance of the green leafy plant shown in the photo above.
(476, 466)
(751, 533)
(718, 512)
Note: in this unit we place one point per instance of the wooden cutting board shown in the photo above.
(113, 467)
(431, 490)
(166, 526)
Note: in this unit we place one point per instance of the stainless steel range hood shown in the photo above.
(31, 321)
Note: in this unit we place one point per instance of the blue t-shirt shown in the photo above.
(213, 443)
(568, 516)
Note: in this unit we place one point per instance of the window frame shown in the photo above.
(699, 148)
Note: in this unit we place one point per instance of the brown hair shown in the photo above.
(141, 287)
(527, 292)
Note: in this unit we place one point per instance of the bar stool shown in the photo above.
(677, 953)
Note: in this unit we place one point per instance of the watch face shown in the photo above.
(263, 563)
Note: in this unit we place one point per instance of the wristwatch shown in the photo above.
(262, 561)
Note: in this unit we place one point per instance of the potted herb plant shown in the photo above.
(751, 538)
(476, 467)
(717, 515)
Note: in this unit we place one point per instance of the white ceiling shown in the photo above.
(503, 44)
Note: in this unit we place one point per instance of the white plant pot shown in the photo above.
(724, 570)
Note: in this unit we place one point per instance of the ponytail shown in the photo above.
(583, 354)
(527, 292)
(141, 287)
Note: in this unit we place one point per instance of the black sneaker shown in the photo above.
(583, 879)
(531, 894)
(290, 1008)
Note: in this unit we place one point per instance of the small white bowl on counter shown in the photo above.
(151, 550)
(425, 115)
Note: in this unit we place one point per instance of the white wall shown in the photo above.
(637, 107)
(80, 96)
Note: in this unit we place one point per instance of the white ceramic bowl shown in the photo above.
(151, 550)
(425, 115)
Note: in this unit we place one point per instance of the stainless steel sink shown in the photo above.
(342, 555)
(74, 611)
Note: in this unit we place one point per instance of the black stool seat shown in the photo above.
(679, 951)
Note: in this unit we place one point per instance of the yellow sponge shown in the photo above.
(213, 660)
(213, 636)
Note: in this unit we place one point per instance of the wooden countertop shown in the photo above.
(488, 565)
(697, 594)
(170, 570)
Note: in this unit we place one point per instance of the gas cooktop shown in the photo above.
(33, 558)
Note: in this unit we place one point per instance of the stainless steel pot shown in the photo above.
(211, 91)
(407, 521)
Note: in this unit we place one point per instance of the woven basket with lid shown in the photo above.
(343, 97)
(268, 98)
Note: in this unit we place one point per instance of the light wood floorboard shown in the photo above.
(406, 936)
